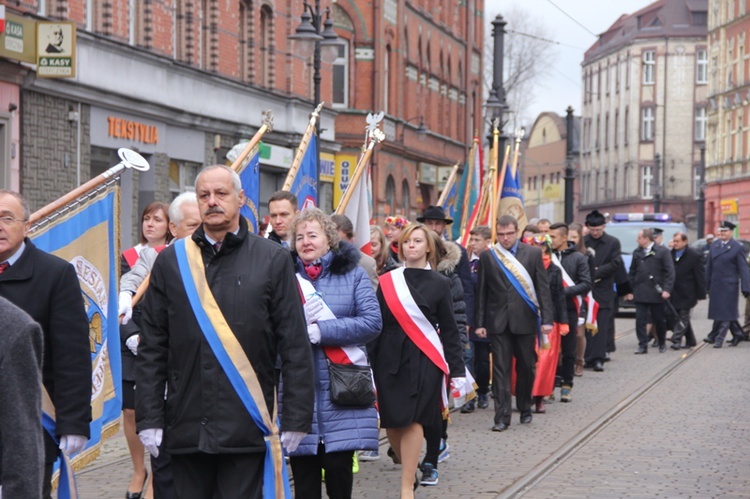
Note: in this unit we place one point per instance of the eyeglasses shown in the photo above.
(8, 221)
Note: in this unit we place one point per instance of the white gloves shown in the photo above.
(132, 343)
(290, 440)
(313, 332)
(581, 321)
(458, 384)
(72, 444)
(313, 309)
(151, 440)
(125, 306)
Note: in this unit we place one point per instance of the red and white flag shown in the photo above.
(358, 211)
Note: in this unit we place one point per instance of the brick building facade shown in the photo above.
(645, 93)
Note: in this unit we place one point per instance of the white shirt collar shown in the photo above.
(15, 256)
(213, 241)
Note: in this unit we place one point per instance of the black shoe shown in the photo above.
(662, 348)
(655, 343)
(392, 454)
(526, 418)
(688, 347)
(598, 367)
(641, 350)
(588, 365)
(468, 407)
(500, 427)
(606, 358)
(675, 346)
(718, 344)
(707, 340)
(483, 402)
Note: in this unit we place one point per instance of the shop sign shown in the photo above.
(327, 171)
(427, 174)
(552, 191)
(17, 43)
(729, 207)
(55, 49)
(271, 155)
(345, 165)
(120, 128)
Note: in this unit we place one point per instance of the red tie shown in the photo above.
(4, 266)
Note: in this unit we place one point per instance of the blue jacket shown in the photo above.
(347, 291)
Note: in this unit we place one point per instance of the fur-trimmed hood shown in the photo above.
(449, 262)
(337, 261)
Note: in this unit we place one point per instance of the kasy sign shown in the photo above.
(55, 49)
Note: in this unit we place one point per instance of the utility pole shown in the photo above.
(702, 194)
(496, 104)
(569, 171)
(657, 183)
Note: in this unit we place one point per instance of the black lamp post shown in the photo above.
(569, 170)
(421, 130)
(496, 103)
(316, 37)
(702, 194)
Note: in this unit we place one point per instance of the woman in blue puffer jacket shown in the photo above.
(328, 272)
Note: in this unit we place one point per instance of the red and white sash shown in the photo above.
(592, 308)
(567, 282)
(350, 354)
(417, 327)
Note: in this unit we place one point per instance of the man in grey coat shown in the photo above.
(652, 279)
(21, 444)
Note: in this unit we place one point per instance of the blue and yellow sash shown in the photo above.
(66, 488)
(234, 362)
(520, 280)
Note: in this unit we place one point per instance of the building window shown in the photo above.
(266, 47)
(647, 124)
(390, 194)
(701, 66)
(405, 197)
(627, 71)
(606, 131)
(617, 127)
(182, 176)
(341, 77)
(387, 78)
(701, 122)
(247, 44)
(626, 126)
(647, 179)
(649, 64)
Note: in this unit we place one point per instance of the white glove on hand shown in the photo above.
(125, 306)
(151, 440)
(313, 309)
(313, 332)
(132, 343)
(72, 444)
(290, 440)
(458, 384)
(581, 321)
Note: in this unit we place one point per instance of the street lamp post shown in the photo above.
(496, 103)
(569, 171)
(702, 194)
(316, 37)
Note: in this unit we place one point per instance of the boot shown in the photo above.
(566, 393)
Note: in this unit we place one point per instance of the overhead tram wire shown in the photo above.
(547, 40)
(573, 19)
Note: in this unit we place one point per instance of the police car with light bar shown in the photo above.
(625, 227)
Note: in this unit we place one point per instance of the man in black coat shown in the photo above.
(46, 287)
(652, 279)
(607, 261)
(214, 443)
(577, 283)
(689, 287)
(508, 320)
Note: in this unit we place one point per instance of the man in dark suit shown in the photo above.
(726, 273)
(652, 278)
(46, 287)
(503, 313)
(607, 261)
(689, 287)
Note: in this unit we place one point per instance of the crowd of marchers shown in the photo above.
(250, 358)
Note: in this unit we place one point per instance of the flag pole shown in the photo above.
(267, 126)
(448, 185)
(494, 158)
(302, 149)
(373, 136)
(469, 183)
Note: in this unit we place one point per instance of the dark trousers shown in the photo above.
(686, 329)
(658, 316)
(432, 436)
(161, 475)
(482, 366)
(307, 471)
(505, 347)
(47, 484)
(611, 347)
(568, 349)
(218, 476)
(720, 328)
(596, 344)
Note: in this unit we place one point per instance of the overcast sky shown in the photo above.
(562, 86)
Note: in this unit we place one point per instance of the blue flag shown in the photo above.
(449, 205)
(305, 185)
(250, 177)
(511, 197)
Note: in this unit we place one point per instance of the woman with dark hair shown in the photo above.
(410, 359)
(383, 259)
(575, 235)
(154, 234)
(342, 315)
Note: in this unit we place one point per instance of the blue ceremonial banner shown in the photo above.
(250, 177)
(305, 185)
(466, 197)
(88, 237)
(511, 197)
(451, 199)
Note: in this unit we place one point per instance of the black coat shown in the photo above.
(254, 285)
(554, 276)
(576, 265)
(46, 287)
(607, 260)
(726, 272)
(649, 269)
(498, 304)
(690, 279)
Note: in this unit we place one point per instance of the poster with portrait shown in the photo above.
(55, 49)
